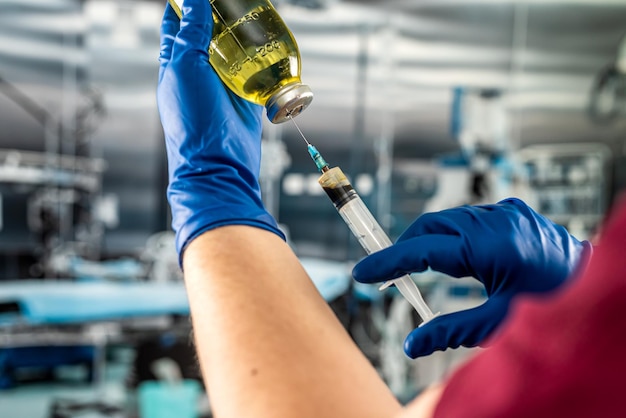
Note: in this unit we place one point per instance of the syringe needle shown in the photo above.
(313, 152)
(298, 128)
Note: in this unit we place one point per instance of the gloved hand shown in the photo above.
(212, 136)
(509, 247)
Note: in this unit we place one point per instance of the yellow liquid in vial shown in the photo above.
(252, 50)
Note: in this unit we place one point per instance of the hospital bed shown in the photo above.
(44, 323)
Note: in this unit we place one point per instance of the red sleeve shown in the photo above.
(558, 356)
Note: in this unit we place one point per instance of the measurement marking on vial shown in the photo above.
(268, 47)
(261, 51)
(247, 18)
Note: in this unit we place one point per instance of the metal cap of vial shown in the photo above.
(290, 100)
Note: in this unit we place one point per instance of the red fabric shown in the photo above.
(559, 356)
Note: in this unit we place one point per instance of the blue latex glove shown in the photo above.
(213, 137)
(509, 247)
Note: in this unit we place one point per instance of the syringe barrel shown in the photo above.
(367, 231)
(363, 225)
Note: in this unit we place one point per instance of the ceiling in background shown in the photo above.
(543, 55)
(378, 68)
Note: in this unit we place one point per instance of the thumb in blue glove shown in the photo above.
(508, 247)
(212, 136)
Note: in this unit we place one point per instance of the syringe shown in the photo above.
(363, 225)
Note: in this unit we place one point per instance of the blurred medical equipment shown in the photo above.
(363, 225)
(46, 323)
(44, 316)
(160, 259)
(67, 408)
(61, 197)
(155, 262)
(571, 183)
(485, 170)
(55, 196)
(256, 56)
(607, 100)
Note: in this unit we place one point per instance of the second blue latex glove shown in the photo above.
(212, 136)
(508, 247)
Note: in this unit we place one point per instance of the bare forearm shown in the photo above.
(268, 343)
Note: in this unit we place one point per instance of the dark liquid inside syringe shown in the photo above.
(340, 195)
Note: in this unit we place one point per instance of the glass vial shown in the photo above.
(256, 56)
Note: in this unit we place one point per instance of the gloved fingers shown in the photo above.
(468, 328)
(513, 201)
(431, 223)
(465, 219)
(169, 28)
(581, 255)
(457, 221)
(196, 29)
(443, 253)
(518, 209)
